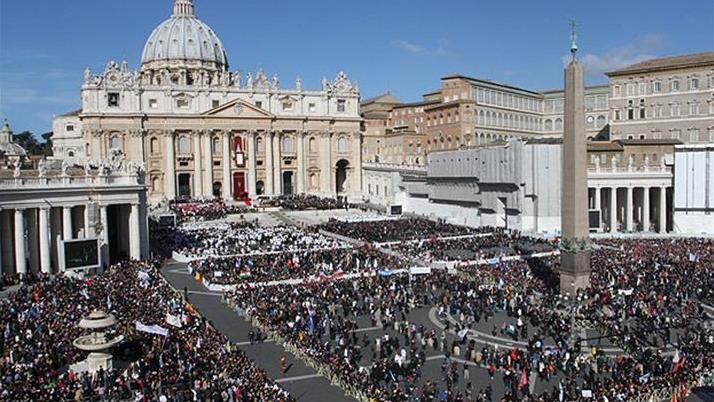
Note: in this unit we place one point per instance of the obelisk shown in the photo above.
(575, 245)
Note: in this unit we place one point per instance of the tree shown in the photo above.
(28, 141)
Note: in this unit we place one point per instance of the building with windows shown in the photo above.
(107, 203)
(694, 188)
(204, 131)
(664, 98)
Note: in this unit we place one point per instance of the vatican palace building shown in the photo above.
(201, 130)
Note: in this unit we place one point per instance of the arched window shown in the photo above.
(558, 124)
(313, 180)
(288, 145)
(154, 146)
(342, 145)
(312, 145)
(216, 145)
(183, 147)
(259, 145)
(154, 184)
(115, 142)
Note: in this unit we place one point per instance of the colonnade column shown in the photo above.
(613, 210)
(268, 145)
(326, 166)
(44, 224)
(134, 233)
(628, 209)
(105, 234)
(598, 204)
(67, 223)
(252, 154)
(86, 220)
(277, 162)
(20, 252)
(646, 210)
(301, 162)
(170, 175)
(663, 210)
(197, 177)
(208, 164)
(226, 192)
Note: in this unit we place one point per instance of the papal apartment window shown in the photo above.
(657, 87)
(616, 90)
(182, 103)
(153, 104)
(311, 107)
(674, 85)
(287, 106)
(69, 127)
(341, 103)
(113, 99)
(694, 83)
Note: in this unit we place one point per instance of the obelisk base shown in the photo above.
(574, 271)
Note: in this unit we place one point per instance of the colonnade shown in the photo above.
(631, 208)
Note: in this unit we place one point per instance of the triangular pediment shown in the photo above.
(239, 108)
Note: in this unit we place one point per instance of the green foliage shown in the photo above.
(30, 143)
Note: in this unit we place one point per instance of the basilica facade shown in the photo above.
(202, 131)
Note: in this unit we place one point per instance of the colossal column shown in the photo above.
(226, 166)
(629, 209)
(300, 162)
(326, 165)
(268, 146)
(575, 248)
(356, 165)
(20, 252)
(170, 175)
(646, 210)
(277, 162)
(45, 264)
(67, 223)
(663, 209)
(613, 210)
(208, 164)
(197, 177)
(252, 153)
(134, 233)
(105, 234)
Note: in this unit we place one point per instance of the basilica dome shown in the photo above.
(184, 38)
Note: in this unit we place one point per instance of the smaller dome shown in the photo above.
(185, 37)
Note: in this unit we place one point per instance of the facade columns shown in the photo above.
(613, 210)
(139, 142)
(208, 164)
(663, 210)
(356, 165)
(170, 175)
(226, 192)
(268, 145)
(300, 162)
(326, 167)
(86, 221)
(197, 176)
(252, 155)
(20, 252)
(134, 233)
(277, 162)
(629, 209)
(646, 210)
(598, 204)
(105, 234)
(33, 237)
(45, 265)
(67, 223)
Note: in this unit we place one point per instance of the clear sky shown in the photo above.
(402, 46)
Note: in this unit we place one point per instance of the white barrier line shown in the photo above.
(297, 378)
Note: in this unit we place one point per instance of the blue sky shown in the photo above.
(402, 46)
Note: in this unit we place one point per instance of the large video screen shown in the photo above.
(594, 218)
(81, 253)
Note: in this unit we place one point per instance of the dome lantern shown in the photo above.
(183, 8)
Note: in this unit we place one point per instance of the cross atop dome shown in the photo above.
(183, 8)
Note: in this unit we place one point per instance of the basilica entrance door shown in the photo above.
(287, 182)
(239, 192)
(184, 185)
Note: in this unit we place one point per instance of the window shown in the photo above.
(311, 107)
(642, 109)
(630, 89)
(154, 146)
(115, 143)
(216, 146)
(182, 103)
(601, 121)
(153, 104)
(312, 145)
(616, 90)
(288, 106)
(674, 85)
(342, 145)
(617, 114)
(548, 125)
(259, 104)
(694, 83)
(657, 87)
(69, 127)
(694, 135)
(183, 148)
(675, 112)
(558, 124)
(70, 154)
(694, 108)
(288, 145)
(113, 99)
(259, 145)
(341, 105)
(642, 89)
(215, 103)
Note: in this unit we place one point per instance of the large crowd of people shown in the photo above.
(324, 263)
(244, 237)
(393, 230)
(194, 210)
(469, 248)
(305, 202)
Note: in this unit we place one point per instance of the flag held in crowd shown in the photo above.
(152, 329)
